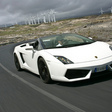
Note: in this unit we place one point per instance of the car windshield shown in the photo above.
(64, 40)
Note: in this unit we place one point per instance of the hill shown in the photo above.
(97, 27)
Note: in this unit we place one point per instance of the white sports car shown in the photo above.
(64, 57)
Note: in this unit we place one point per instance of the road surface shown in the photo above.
(25, 92)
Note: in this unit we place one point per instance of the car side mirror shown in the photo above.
(30, 48)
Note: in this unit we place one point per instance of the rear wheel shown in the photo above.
(17, 64)
(44, 71)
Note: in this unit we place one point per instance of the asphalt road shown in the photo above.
(25, 92)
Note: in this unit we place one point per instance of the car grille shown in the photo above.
(71, 73)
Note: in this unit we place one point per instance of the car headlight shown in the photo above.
(63, 60)
(110, 47)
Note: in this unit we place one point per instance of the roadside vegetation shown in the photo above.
(97, 27)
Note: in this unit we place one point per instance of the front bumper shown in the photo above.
(81, 71)
(93, 71)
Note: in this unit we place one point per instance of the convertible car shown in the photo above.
(64, 57)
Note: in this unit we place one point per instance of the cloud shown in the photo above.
(16, 10)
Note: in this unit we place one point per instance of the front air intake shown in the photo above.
(71, 73)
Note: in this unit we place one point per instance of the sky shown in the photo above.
(16, 10)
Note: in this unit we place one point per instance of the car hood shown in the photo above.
(84, 53)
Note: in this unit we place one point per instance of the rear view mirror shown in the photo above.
(90, 38)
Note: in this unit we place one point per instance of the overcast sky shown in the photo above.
(15, 10)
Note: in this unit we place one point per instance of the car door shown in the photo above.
(30, 57)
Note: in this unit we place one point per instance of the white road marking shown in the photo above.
(51, 96)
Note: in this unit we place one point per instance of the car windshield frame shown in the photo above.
(66, 39)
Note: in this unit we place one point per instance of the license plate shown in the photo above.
(100, 69)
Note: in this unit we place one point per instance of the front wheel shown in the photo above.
(17, 64)
(44, 71)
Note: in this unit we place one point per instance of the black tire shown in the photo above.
(17, 64)
(44, 71)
